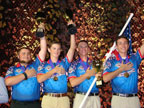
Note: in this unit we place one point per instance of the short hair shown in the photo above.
(123, 36)
(54, 42)
(23, 48)
(82, 41)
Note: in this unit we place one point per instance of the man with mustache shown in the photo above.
(22, 77)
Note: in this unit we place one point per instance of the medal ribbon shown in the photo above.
(85, 66)
(124, 61)
(53, 65)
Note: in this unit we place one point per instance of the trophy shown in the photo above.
(40, 18)
(97, 64)
(68, 15)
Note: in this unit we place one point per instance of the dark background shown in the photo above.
(98, 21)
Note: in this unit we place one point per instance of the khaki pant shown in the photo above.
(55, 102)
(91, 101)
(125, 102)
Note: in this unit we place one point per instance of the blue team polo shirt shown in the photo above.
(50, 85)
(76, 70)
(121, 84)
(26, 90)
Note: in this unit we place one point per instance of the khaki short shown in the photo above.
(91, 101)
(125, 102)
(55, 102)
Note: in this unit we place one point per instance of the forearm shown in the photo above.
(142, 50)
(76, 81)
(43, 48)
(72, 48)
(13, 80)
(43, 77)
(109, 76)
(72, 42)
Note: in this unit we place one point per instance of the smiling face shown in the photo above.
(55, 50)
(24, 56)
(122, 45)
(83, 49)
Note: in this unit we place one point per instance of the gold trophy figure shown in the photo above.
(68, 15)
(98, 67)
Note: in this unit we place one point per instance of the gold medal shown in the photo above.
(126, 74)
(55, 78)
(88, 78)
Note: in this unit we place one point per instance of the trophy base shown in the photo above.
(99, 83)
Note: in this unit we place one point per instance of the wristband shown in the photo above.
(25, 76)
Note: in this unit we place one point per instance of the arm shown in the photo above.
(72, 45)
(13, 80)
(124, 67)
(3, 92)
(43, 45)
(142, 49)
(42, 77)
(76, 81)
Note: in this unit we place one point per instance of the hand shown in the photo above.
(71, 22)
(30, 73)
(91, 72)
(59, 70)
(42, 25)
(98, 75)
(126, 67)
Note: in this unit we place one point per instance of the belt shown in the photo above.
(56, 94)
(90, 94)
(25, 102)
(124, 95)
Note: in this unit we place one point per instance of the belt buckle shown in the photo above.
(83, 93)
(95, 94)
(123, 95)
(61, 95)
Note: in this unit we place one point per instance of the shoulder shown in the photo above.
(75, 62)
(12, 68)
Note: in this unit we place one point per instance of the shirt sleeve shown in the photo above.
(72, 71)
(66, 63)
(3, 91)
(37, 63)
(107, 67)
(10, 72)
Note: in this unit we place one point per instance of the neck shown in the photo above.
(24, 64)
(84, 58)
(54, 59)
(123, 54)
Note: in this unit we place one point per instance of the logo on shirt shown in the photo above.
(18, 70)
(71, 70)
(118, 65)
(48, 68)
(40, 68)
(81, 68)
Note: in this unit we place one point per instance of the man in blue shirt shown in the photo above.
(81, 76)
(3, 91)
(122, 70)
(53, 75)
(22, 78)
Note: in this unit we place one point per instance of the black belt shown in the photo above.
(125, 95)
(90, 94)
(25, 102)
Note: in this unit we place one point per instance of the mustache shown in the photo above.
(27, 62)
